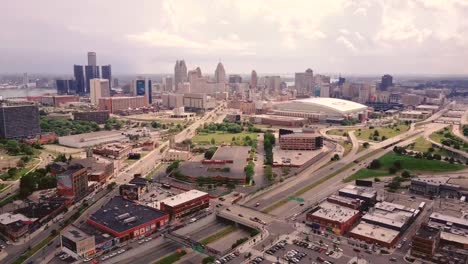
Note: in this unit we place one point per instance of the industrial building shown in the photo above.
(435, 186)
(99, 117)
(116, 105)
(91, 139)
(374, 234)
(367, 195)
(185, 203)
(425, 242)
(125, 219)
(332, 217)
(77, 243)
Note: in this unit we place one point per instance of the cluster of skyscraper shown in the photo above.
(83, 76)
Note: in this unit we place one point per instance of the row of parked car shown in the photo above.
(227, 258)
(113, 254)
(256, 260)
(294, 256)
(276, 247)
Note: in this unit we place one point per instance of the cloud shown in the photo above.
(402, 29)
(348, 44)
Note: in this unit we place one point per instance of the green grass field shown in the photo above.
(222, 137)
(423, 145)
(408, 163)
(364, 133)
(347, 147)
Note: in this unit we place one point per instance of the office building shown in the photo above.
(235, 78)
(411, 99)
(374, 234)
(387, 81)
(72, 184)
(79, 79)
(168, 84)
(435, 186)
(332, 218)
(65, 86)
(19, 121)
(107, 74)
(304, 82)
(180, 73)
(92, 72)
(143, 87)
(220, 74)
(425, 242)
(184, 204)
(253, 80)
(197, 102)
(99, 117)
(125, 219)
(92, 61)
(118, 104)
(290, 140)
(170, 100)
(99, 88)
(77, 243)
(272, 84)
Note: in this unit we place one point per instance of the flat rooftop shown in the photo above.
(334, 212)
(235, 153)
(120, 214)
(449, 219)
(427, 232)
(74, 233)
(357, 190)
(375, 232)
(8, 218)
(395, 219)
(197, 169)
(393, 207)
(301, 135)
(183, 197)
(457, 238)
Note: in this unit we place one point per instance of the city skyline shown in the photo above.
(365, 37)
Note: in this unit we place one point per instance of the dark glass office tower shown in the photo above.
(79, 79)
(65, 86)
(107, 73)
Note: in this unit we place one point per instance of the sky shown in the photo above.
(270, 36)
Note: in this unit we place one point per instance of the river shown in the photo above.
(8, 93)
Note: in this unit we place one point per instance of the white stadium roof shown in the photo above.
(322, 104)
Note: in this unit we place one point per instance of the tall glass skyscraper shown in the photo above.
(79, 79)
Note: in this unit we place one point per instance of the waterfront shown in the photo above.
(8, 93)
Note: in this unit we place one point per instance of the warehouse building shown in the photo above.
(332, 218)
(125, 219)
(185, 203)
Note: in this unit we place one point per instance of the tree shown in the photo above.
(208, 260)
(384, 138)
(392, 170)
(213, 141)
(376, 179)
(406, 174)
(210, 152)
(366, 144)
(376, 133)
(375, 164)
(60, 158)
(12, 147)
(397, 164)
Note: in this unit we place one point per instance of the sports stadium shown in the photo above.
(321, 108)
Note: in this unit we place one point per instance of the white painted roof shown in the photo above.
(183, 197)
(322, 104)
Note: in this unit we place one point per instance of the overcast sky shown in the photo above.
(285, 36)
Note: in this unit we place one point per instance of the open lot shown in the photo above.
(222, 137)
(423, 145)
(412, 164)
(367, 133)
